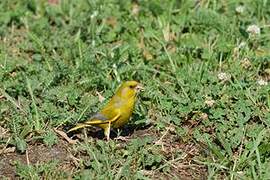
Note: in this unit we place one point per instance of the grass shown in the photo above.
(205, 110)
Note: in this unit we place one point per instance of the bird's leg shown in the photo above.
(109, 131)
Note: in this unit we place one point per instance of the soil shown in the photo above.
(36, 154)
(184, 168)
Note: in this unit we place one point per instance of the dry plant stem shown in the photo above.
(64, 135)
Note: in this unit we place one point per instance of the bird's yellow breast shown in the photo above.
(125, 108)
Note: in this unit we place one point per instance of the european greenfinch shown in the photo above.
(118, 110)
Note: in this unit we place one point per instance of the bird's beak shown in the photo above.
(139, 87)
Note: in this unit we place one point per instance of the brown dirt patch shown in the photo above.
(183, 166)
(36, 154)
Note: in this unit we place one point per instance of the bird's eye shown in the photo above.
(131, 86)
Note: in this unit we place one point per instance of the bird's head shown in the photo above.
(129, 89)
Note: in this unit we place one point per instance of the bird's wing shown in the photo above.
(102, 119)
(99, 116)
(96, 120)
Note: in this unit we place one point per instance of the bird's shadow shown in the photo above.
(98, 133)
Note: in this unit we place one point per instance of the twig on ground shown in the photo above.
(64, 135)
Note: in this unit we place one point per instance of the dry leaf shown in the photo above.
(141, 43)
(111, 21)
(245, 63)
(13, 74)
(3, 133)
(64, 135)
(135, 9)
(171, 48)
(204, 116)
(267, 74)
(100, 97)
(7, 150)
(166, 33)
(147, 55)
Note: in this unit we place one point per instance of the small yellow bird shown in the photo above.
(118, 110)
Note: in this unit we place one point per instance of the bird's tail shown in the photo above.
(79, 126)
